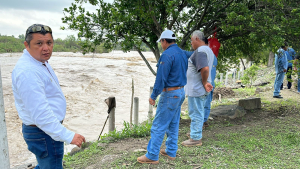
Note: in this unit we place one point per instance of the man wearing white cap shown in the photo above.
(169, 82)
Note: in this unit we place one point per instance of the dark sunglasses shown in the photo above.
(38, 28)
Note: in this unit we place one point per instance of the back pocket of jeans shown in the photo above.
(173, 102)
(37, 147)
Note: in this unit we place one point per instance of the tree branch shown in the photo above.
(145, 60)
(180, 8)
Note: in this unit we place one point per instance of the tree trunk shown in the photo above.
(243, 63)
(271, 59)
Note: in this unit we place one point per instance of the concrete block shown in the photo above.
(231, 111)
(250, 103)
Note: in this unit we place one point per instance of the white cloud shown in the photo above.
(18, 15)
(17, 21)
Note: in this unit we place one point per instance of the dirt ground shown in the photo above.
(252, 118)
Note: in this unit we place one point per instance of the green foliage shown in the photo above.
(134, 131)
(219, 84)
(250, 74)
(10, 44)
(244, 28)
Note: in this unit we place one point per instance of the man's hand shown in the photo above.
(151, 101)
(284, 70)
(78, 139)
(208, 87)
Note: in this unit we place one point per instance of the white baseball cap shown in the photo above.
(167, 34)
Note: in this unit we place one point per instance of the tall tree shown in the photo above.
(243, 27)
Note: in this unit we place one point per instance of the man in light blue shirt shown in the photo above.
(280, 69)
(290, 54)
(40, 102)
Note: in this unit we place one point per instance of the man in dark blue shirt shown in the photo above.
(169, 82)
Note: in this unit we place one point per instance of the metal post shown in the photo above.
(4, 155)
(111, 123)
(150, 112)
(239, 75)
(136, 110)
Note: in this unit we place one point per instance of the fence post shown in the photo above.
(221, 77)
(111, 102)
(4, 155)
(234, 76)
(136, 110)
(150, 112)
(111, 123)
(226, 79)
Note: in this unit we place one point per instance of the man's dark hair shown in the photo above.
(282, 47)
(29, 33)
(170, 40)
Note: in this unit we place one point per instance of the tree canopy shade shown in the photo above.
(244, 27)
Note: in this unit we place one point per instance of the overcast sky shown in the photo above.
(17, 15)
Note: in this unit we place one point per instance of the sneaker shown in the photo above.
(191, 143)
(144, 159)
(278, 97)
(164, 153)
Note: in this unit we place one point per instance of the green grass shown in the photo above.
(275, 146)
(134, 131)
(265, 141)
(243, 92)
(90, 154)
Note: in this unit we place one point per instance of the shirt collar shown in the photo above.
(26, 53)
(171, 46)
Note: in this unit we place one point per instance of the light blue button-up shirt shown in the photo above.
(38, 97)
(280, 61)
(290, 53)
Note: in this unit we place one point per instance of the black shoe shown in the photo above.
(278, 97)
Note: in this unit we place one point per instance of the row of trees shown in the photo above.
(10, 44)
(245, 28)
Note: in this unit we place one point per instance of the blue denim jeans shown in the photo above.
(48, 152)
(196, 113)
(166, 120)
(208, 105)
(277, 83)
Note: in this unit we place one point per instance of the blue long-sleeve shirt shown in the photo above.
(280, 61)
(171, 70)
(290, 53)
